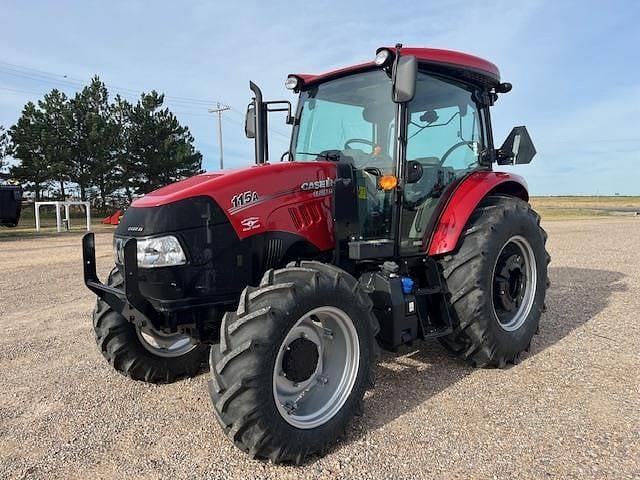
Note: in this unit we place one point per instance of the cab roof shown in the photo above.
(464, 65)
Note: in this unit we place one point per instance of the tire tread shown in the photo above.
(471, 339)
(234, 387)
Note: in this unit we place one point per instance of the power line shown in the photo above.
(22, 91)
(41, 93)
(44, 76)
(65, 80)
(50, 78)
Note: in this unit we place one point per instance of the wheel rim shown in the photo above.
(316, 367)
(165, 345)
(514, 283)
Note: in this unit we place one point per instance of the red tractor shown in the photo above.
(382, 224)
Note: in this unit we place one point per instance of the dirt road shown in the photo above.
(570, 409)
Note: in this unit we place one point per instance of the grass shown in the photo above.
(49, 229)
(568, 207)
(550, 208)
(27, 226)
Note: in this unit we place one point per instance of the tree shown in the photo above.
(161, 150)
(108, 147)
(33, 169)
(55, 136)
(92, 137)
(79, 168)
(125, 165)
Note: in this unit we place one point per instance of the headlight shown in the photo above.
(160, 252)
(292, 82)
(382, 57)
(153, 252)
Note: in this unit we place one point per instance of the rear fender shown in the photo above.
(464, 200)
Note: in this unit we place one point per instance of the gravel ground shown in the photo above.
(571, 409)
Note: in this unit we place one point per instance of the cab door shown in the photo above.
(444, 135)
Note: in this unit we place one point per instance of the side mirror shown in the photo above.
(250, 122)
(517, 149)
(404, 85)
(414, 171)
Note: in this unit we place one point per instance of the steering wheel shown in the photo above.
(360, 140)
(375, 171)
(451, 149)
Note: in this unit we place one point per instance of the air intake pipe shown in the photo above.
(260, 109)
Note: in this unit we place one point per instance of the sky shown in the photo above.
(574, 66)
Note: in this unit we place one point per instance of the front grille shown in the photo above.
(275, 247)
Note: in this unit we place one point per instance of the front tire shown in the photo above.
(497, 281)
(294, 362)
(144, 354)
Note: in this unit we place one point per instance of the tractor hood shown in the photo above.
(261, 198)
(176, 191)
(214, 184)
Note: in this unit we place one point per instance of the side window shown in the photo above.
(450, 134)
(444, 135)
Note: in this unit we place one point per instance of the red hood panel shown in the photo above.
(175, 191)
(293, 197)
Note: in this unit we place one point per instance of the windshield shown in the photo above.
(350, 117)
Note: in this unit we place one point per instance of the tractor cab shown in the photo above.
(404, 130)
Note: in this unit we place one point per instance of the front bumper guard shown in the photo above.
(129, 302)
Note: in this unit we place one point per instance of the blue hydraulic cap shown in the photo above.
(407, 285)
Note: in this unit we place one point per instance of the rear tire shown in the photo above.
(251, 376)
(140, 354)
(497, 281)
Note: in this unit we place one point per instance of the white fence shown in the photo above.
(67, 218)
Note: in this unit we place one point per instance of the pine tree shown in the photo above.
(33, 169)
(97, 145)
(55, 136)
(125, 165)
(161, 150)
(92, 137)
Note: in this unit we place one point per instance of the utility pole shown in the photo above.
(219, 109)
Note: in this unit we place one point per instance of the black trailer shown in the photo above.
(10, 205)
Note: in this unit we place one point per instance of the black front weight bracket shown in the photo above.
(128, 302)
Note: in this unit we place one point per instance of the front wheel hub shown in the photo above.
(300, 360)
(316, 367)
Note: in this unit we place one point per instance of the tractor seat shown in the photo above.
(430, 169)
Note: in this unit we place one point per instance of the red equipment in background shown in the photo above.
(113, 219)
